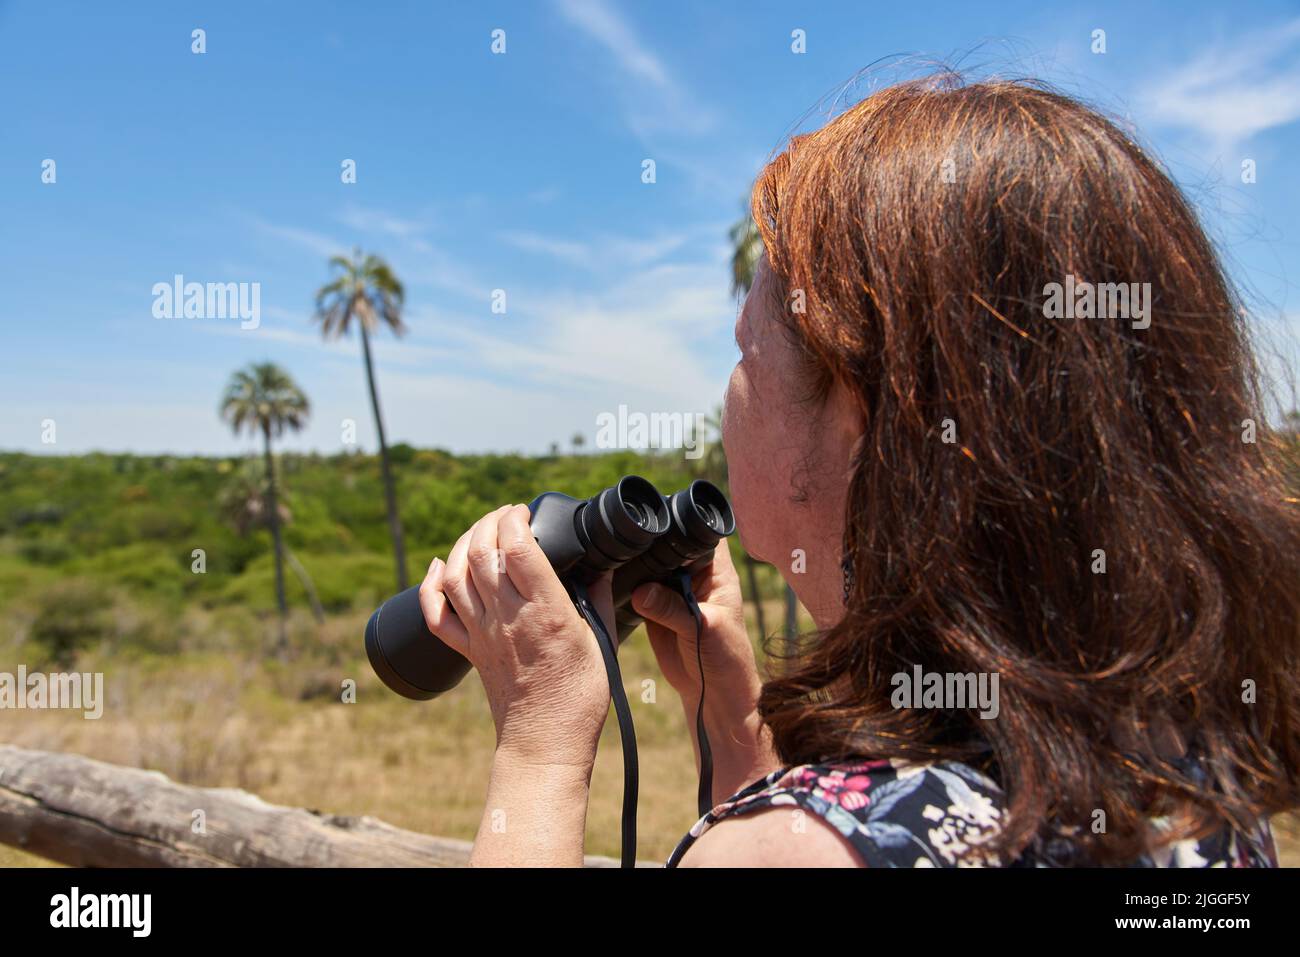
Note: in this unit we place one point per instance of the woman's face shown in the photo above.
(787, 460)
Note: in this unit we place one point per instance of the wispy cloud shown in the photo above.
(417, 260)
(603, 253)
(642, 335)
(1236, 90)
(654, 100)
(601, 23)
(638, 339)
(565, 250)
(378, 221)
(318, 243)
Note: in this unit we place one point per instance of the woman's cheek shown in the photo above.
(743, 446)
(748, 514)
(730, 412)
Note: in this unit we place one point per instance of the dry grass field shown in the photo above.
(280, 731)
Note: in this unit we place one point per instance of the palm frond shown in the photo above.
(367, 289)
(264, 398)
(341, 262)
(747, 249)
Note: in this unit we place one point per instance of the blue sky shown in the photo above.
(519, 172)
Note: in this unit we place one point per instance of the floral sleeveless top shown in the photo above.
(905, 814)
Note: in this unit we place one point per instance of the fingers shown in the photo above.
(722, 562)
(526, 564)
(457, 584)
(485, 556)
(668, 652)
(663, 606)
(717, 582)
(438, 614)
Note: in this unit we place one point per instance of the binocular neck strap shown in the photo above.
(704, 798)
(626, 732)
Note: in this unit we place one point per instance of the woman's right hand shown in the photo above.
(740, 743)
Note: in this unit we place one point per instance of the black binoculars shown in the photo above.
(630, 527)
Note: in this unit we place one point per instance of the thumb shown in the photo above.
(663, 607)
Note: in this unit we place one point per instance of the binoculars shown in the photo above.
(629, 528)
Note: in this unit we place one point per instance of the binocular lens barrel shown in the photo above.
(581, 539)
(406, 655)
(700, 517)
(621, 522)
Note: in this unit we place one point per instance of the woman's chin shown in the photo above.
(749, 547)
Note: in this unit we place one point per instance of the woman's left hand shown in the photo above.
(539, 661)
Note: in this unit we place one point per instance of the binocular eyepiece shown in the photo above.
(630, 527)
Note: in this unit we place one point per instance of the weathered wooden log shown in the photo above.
(87, 813)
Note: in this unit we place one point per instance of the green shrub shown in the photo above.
(342, 582)
(45, 550)
(143, 568)
(71, 615)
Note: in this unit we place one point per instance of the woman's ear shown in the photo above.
(847, 420)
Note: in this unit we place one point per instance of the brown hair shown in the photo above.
(918, 232)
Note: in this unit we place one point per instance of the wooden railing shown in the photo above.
(86, 813)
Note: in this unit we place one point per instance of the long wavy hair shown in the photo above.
(1086, 505)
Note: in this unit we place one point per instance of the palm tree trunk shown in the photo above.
(394, 522)
(273, 518)
(308, 585)
(751, 569)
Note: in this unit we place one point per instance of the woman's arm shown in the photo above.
(535, 815)
(498, 602)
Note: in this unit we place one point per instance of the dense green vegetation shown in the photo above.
(102, 546)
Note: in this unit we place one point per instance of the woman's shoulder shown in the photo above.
(895, 813)
(891, 813)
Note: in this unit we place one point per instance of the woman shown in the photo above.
(993, 421)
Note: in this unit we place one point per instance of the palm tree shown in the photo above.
(366, 290)
(578, 441)
(747, 249)
(242, 502)
(263, 398)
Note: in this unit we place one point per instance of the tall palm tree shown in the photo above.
(746, 250)
(366, 290)
(263, 398)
